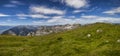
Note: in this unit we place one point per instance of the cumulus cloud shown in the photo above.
(113, 11)
(3, 15)
(55, 20)
(76, 3)
(22, 16)
(45, 10)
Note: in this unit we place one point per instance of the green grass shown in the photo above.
(68, 43)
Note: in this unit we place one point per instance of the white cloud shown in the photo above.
(45, 10)
(82, 20)
(76, 3)
(22, 16)
(16, 2)
(39, 16)
(9, 5)
(3, 15)
(55, 20)
(41, 22)
(78, 11)
(92, 18)
(89, 16)
(113, 11)
(60, 20)
(13, 3)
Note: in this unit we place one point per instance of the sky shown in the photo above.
(53, 12)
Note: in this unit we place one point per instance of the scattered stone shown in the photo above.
(118, 40)
(88, 35)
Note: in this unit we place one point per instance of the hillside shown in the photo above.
(99, 39)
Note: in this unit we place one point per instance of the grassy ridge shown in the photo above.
(69, 43)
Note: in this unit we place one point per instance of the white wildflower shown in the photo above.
(88, 35)
(118, 40)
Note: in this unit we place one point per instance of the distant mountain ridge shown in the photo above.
(4, 28)
(20, 30)
(38, 30)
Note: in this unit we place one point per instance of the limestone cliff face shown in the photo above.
(39, 30)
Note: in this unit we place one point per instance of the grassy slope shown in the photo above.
(69, 43)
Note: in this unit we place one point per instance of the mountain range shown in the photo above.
(38, 30)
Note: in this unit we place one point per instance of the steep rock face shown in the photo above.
(39, 30)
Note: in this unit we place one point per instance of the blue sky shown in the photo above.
(52, 12)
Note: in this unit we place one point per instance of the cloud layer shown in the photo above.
(45, 10)
(3, 15)
(51, 12)
(113, 11)
(82, 20)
